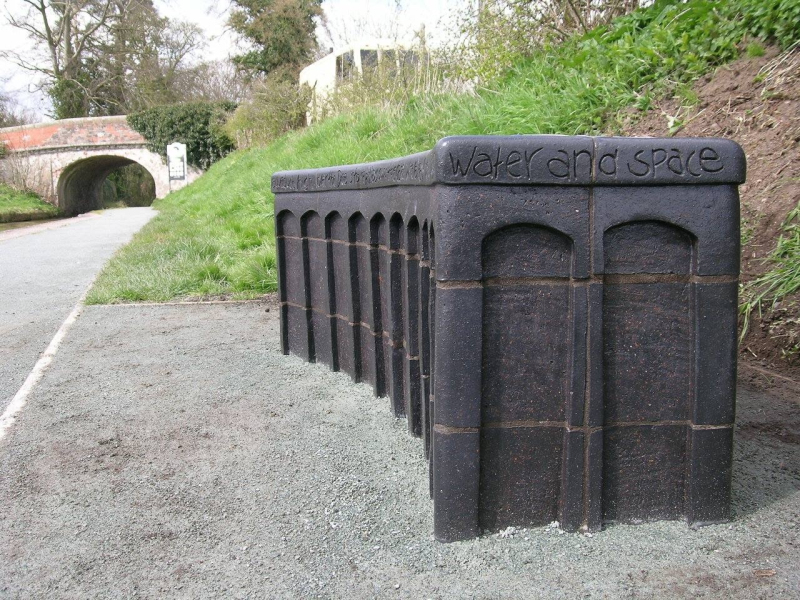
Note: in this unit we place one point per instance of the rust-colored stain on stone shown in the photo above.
(70, 132)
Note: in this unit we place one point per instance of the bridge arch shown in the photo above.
(79, 187)
(67, 161)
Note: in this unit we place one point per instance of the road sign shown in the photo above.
(176, 159)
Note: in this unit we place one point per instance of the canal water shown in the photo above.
(21, 224)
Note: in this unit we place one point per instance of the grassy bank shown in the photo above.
(783, 278)
(23, 206)
(216, 236)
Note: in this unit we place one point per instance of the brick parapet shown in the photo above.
(69, 133)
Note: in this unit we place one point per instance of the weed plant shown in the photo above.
(783, 278)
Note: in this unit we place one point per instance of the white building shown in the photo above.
(324, 75)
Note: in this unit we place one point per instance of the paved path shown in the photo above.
(42, 276)
(173, 452)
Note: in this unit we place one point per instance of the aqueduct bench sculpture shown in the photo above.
(555, 316)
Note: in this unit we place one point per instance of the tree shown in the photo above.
(63, 29)
(105, 57)
(280, 31)
(217, 81)
(9, 115)
(145, 58)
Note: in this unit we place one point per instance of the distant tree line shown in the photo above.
(9, 114)
(109, 57)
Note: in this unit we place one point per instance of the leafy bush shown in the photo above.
(276, 105)
(777, 20)
(199, 125)
(131, 185)
(492, 35)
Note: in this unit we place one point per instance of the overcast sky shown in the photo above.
(348, 20)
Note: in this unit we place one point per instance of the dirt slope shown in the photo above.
(757, 103)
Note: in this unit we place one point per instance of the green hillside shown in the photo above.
(216, 236)
(23, 206)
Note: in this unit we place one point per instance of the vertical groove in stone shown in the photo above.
(281, 260)
(432, 353)
(376, 225)
(411, 316)
(397, 328)
(355, 294)
(424, 342)
(647, 371)
(593, 409)
(527, 327)
(331, 300)
(307, 286)
(338, 228)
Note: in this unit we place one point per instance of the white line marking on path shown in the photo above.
(21, 397)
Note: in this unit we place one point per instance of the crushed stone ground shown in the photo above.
(173, 452)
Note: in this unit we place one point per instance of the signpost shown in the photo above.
(176, 160)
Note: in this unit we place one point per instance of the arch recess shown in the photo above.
(80, 185)
(649, 246)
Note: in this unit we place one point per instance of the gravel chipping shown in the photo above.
(173, 452)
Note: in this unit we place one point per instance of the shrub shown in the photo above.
(131, 185)
(416, 74)
(493, 35)
(199, 125)
(276, 105)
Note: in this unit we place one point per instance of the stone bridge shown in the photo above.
(67, 161)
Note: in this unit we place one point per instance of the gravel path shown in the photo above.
(44, 270)
(173, 452)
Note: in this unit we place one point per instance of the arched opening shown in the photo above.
(131, 185)
(89, 183)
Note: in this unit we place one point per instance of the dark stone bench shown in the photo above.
(555, 316)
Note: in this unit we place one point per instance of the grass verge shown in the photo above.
(216, 236)
(23, 206)
(782, 280)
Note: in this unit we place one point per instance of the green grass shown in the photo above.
(216, 236)
(15, 204)
(783, 279)
(755, 49)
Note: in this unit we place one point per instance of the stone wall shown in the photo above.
(555, 317)
(67, 161)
